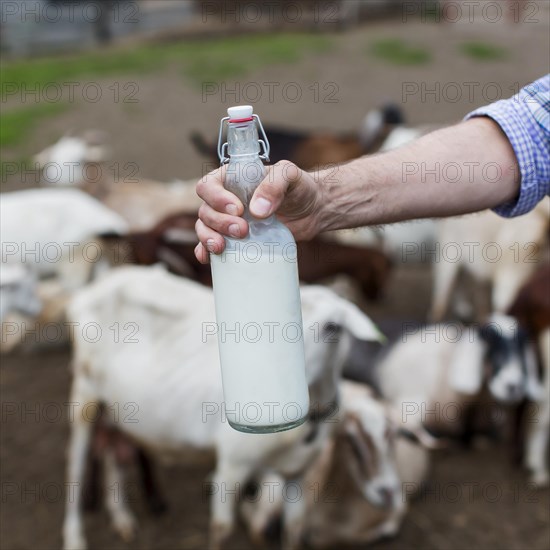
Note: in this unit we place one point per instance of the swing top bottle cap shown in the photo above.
(240, 113)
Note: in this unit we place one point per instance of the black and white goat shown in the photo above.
(435, 374)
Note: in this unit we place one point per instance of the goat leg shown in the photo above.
(91, 493)
(517, 438)
(151, 488)
(81, 431)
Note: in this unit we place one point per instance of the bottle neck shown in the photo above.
(245, 170)
(242, 139)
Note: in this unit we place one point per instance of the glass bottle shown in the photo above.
(257, 296)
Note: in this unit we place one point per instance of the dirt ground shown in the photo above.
(503, 513)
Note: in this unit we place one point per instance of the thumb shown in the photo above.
(271, 192)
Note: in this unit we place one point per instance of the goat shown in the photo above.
(491, 248)
(145, 203)
(44, 323)
(171, 373)
(356, 494)
(65, 162)
(402, 242)
(319, 259)
(50, 231)
(140, 202)
(435, 375)
(310, 150)
(532, 308)
(18, 291)
(173, 241)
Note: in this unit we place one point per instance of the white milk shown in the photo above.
(261, 340)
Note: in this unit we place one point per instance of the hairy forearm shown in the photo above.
(453, 171)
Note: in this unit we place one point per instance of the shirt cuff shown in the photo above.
(512, 124)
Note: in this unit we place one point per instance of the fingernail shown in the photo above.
(211, 245)
(234, 230)
(260, 207)
(232, 209)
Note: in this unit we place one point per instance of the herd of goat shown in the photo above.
(77, 253)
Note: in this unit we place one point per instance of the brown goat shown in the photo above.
(319, 259)
(532, 304)
(532, 309)
(173, 241)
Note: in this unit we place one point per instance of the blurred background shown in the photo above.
(129, 94)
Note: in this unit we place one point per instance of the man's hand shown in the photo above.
(293, 194)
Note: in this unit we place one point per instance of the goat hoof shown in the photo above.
(74, 543)
(73, 539)
(124, 524)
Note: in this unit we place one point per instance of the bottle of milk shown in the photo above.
(257, 296)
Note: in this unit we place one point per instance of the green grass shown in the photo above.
(483, 52)
(200, 61)
(18, 122)
(397, 52)
(211, 60)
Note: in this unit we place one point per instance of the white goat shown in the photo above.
(65, 162)
(491, 248)
(403, 242)
(171, 375)
(18, 291)
(353, 489)
(41, 320)
(48, 232)
(51, 231)
(142, 203)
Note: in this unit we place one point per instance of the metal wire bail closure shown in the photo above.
(222, 147)
(263, 142)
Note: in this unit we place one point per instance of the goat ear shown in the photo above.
(533, 385)
(466, 365)
(360, 324)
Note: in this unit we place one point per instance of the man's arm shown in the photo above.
(453, 171)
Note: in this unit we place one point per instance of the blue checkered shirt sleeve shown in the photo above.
(525, 119)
